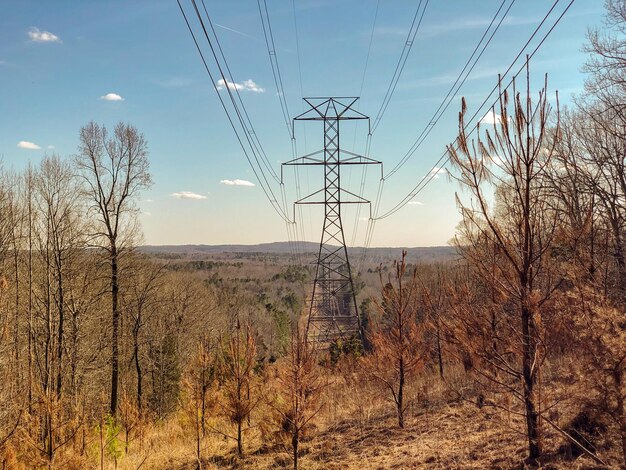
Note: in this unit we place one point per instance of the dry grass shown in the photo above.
(358, 430)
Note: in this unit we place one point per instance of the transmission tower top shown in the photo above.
(336, 108)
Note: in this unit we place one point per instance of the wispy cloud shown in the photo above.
(50, 147)
(450, 77)
(241, 33)
(237, 183)
(147, 213)
(36, 35)
(436, 171)
(23, 144)
(415, 203)
(389, 31)
(111, 97)
(464, 24)
(188, 195)
(246, 85)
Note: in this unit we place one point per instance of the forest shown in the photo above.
(509, 354)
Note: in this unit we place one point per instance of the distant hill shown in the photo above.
(373, 254)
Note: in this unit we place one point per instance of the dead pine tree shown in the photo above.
(238, 360)
(200, 385)
(398, 346)
(300, 383)
(511, 158)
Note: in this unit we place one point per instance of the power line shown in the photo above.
(445, 156)
(296, 170)
(271, 51)
(404, 55)
(255, 136)
(280, 90)
(406, 49)
(267, 191)
(456, 86)
(228, 86)
(443, 106)
(364, 172)
(369, 48)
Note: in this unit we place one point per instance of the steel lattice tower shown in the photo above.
(333, 312)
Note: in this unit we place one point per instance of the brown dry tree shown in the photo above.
(398, 346)
(300, 383)
(241, 395)
(506, 236)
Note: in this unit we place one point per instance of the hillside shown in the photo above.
(373, 255)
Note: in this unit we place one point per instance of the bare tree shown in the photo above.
(607, 62)
(114, 169)
(140, 302)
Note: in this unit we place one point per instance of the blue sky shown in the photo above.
(64, 63)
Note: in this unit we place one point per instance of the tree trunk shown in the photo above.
(61, 300)
(116, 320)
(198, 439)
(439, 353)
(138, 366)
(399, 402)
(529, 382)
(16, 323)
(239, 439)
(295, 440)
(618, 252)
(50, 441)
(30, 293)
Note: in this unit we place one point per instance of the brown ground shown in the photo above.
(454, 436)
(357, 429)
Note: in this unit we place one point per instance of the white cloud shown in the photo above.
(28, 145)
(436, 171)
(147, 213)
(36, 35)
(148, 200)
(50, 147)
(491, 118)
(188, 195)
(415, 203)
(497, 160)
(237, 183)
(246, 85)
(112, 97)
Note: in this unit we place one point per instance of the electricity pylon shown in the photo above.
(333, 312)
